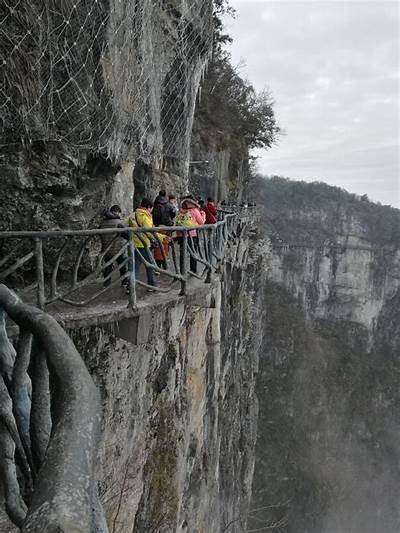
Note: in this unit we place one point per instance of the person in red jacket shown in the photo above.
(212, 208)
(211, 211)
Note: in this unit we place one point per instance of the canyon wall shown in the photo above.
(95, 90)
(177, 381)
(327, 450)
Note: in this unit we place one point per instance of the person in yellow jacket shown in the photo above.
(142, 218)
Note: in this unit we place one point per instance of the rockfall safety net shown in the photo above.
(119, 76)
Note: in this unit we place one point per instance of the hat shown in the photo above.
(189, 203)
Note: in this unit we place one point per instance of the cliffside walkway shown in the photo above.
(50, 409)
(58, 270)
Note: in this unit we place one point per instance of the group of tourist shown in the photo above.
(163, 212)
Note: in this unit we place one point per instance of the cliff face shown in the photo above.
(349, 278)
(179, 404)
(93, 89)
(327, 450)
(105, 105)
(221, 171)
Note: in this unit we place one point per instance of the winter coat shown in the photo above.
(213, 209)
(111, 221)
(198, 218)
(163, 213)
(210, 218)
(143, 219)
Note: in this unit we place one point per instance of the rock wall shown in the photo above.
(50, 186)
(327, 445)
(218, 171)
(337, 254)
(94, 89)
(350, 282)
(179, 404)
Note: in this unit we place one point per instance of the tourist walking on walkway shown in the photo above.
(212, 208)
(143, 242)
(210, 211)
(112, 244)
(160, 199)
(161, 253)
(190, 215)
(163, 211)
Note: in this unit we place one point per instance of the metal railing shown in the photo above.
(49, 426)
(73, 267)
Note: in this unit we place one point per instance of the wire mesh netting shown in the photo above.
(119, 76)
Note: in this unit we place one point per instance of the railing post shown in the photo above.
(41, 298)
(210, 235)
(132, 276)
(183, 261)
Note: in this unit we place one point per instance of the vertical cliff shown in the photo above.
(100, 107)
(93, 89)
(177, 381)
(327, 450)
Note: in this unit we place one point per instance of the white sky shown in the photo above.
(333, 69)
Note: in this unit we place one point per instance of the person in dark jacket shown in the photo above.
(113, 244)
(163, 212)
(160, 198)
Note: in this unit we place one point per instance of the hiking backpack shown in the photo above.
(185, 219)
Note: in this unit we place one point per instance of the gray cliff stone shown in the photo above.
(115, 89)
(179, 404)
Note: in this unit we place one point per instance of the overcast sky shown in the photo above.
(332, 68)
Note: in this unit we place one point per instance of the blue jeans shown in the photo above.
(140, 254)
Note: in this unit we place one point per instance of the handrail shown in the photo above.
(227, 211)
(55, 436)
(207, 251)
(90, 232)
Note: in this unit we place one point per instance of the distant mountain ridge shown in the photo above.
(294, 210)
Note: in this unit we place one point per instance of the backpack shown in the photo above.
(185, 218)
(162, 215)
